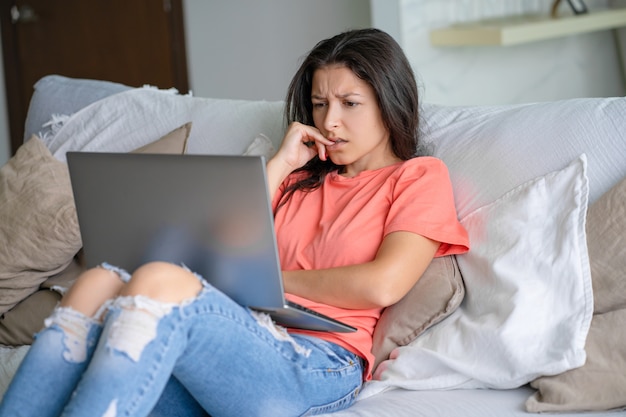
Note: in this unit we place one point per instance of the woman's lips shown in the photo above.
(337, 143)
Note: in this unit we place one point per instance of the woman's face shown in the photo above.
(346, 111)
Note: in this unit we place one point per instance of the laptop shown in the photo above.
(209, 212)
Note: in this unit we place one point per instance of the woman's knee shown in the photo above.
(163, 281)
(91, 289)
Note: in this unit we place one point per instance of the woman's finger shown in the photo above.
(321, 150)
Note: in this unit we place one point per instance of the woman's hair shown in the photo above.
(376, 58)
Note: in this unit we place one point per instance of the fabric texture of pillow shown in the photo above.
(600, 384)
(437, 293)
(39, 233)
(43, 235)
(528, 301)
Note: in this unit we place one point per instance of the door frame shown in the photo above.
(16, 104)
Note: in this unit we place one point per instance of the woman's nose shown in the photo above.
(332, 118)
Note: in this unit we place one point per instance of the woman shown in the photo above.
(358, 219)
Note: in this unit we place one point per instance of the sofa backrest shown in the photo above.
(488, 149)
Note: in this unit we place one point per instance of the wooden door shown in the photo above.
(134, 42)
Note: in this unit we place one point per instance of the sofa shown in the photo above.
(531, 320)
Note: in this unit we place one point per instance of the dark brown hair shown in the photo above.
(375, 57)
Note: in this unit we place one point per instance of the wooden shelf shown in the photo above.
(524, 29)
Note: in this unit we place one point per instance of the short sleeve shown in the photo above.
(423, 203)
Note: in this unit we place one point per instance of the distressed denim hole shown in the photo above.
(75, 327)
(136, 324)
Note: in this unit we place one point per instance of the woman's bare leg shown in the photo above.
(163, 282)
(91, 290)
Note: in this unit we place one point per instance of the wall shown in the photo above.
(250, 49)
(575, 66)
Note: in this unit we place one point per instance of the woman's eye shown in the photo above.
(318, 105)
(351, 104)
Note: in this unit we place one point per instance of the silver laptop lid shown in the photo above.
(216, 217)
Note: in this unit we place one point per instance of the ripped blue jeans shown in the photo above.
(207, 356)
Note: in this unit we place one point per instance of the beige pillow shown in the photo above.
(600, 384)
(39, 233)
(437, 293)
(173, 142)
(39, 230)
(606, 241)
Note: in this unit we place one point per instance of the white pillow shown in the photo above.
(528, 302)
(261, 146)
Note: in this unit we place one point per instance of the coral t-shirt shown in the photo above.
(344, 221)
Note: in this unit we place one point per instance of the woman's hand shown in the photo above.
(300, 144)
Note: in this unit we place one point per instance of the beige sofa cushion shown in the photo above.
(19, 324)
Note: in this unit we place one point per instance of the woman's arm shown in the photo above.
(300, 144)
(401, 260)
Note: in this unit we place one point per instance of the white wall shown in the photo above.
(574, 66)
(250, 49)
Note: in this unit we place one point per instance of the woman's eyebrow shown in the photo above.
(344, 95)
